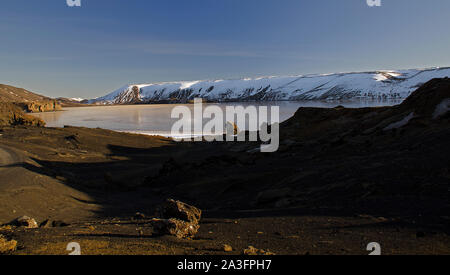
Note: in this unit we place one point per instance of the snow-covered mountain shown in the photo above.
(377, 85)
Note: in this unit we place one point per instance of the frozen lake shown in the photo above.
(156, 119)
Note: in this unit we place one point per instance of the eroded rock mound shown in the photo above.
(177, 219)
(179, 210)
(40, 106)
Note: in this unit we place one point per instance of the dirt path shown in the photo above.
(10, 170)
(7, 156)
(25, 192)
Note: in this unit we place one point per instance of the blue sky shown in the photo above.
(50, 48)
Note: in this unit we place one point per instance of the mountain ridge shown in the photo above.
(381, 84)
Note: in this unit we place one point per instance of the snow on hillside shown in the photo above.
(376, 85)
(77, 99)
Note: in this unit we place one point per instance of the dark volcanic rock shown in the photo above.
(177, 219)
(179, 210)
(174, 227)
(25, 221)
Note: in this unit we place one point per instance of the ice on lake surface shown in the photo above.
(156, 119)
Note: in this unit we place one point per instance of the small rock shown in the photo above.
(252, 251)
(172, 209)
(46, 224)
(5, 228)
(227, 248)
(7, 246)
(174, 227)
(232, 128)
(25, 221)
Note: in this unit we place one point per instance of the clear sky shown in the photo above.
(89, 51)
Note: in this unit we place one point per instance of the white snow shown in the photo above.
(187, 85)
(387, 84)
(77, 99)
(442, 108)
(400, 123)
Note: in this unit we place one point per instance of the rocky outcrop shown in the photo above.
(12, 115)
(41, 106)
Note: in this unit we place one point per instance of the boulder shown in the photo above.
(174, 227)
(177, 219)
(26, 222)
(172, 209)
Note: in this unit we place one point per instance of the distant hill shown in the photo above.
(340, 86)
(14, 94)
(72, 102)
(28, 101)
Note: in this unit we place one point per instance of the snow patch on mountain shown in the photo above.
(371, 85)
(442, 109)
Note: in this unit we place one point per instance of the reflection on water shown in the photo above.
(156, 119)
